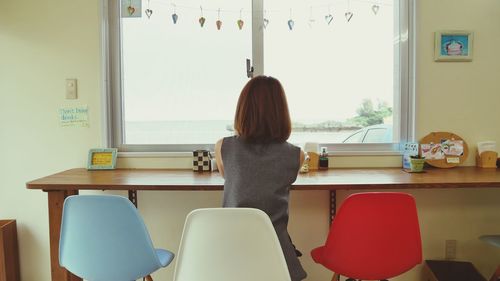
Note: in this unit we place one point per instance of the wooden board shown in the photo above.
(440, 138)
(331, 179)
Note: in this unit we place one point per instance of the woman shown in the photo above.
(258, 164)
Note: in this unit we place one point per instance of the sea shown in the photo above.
(209, 131)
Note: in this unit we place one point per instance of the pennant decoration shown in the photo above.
(375, 8)
(148, 11)
(290, 22)
(311, 18)
(240, 21)
(218, 23)
(266, 22)
(329, 19)
(201, 20)
(174, 15)
(131, 10)
(348, 16)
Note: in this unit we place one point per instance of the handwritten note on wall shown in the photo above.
(77, 116)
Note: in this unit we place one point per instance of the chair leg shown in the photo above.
(147, 278)
(496, 275)
(336, 277)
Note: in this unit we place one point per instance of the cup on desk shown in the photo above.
(312, 150)
(417, 164)
(305, 164)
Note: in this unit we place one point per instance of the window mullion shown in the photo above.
(258, 36)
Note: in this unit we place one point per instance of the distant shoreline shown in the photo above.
(325, 129)
(313, 128)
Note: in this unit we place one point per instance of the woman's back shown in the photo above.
(258, 165)
(259, 176)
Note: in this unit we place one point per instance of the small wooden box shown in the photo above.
(487, 159)
(9, 254)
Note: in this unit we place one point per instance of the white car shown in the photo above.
(381, 133)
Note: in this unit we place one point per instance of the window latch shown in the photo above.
(249, 69)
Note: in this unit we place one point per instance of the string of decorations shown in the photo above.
(133, 7)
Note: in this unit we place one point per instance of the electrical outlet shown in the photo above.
(450, 249)
(71, 89)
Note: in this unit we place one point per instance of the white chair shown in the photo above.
(228, 244)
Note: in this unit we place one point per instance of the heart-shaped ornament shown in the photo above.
(375, 8)
(266, 22)
(218, 23)
(311, 22)
(131, 10)
(329, 19)
(348, 16)
(174, 18)
(291, 23)
(201, 20)
(240, 24)
(149, 12)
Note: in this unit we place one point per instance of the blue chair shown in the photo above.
(103, 238)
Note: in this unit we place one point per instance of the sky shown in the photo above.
(184, 71)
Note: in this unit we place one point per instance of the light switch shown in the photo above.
(71, 92)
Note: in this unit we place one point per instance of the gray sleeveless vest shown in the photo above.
(259, 176)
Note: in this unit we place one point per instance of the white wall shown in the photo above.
(44, 42)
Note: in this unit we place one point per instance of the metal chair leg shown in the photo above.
(496, 275)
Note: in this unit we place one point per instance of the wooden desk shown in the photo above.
(61, 185)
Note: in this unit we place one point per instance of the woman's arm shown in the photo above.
(302, 157)
(218, 156)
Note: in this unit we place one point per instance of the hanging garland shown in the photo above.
(132, 8)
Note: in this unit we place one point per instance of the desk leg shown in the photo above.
(56, 200)
(333, 205)
(496, 275)
(132, 196)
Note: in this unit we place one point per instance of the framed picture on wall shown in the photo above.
(453, 45)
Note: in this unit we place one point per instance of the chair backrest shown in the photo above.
(228, 244)
(374, 236)
(104, 238)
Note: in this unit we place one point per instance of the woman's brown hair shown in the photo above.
(262, 114)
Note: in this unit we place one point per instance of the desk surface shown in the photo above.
(332, 179)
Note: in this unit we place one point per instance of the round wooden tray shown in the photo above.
(442, 143)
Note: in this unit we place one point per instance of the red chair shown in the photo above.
(375, 236)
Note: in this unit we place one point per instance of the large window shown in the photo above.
(177, 70)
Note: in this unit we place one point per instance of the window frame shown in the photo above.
(113, 106)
